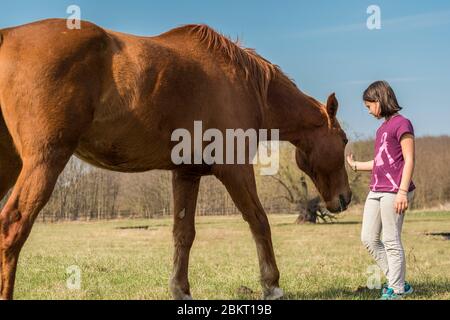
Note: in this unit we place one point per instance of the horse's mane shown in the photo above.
(256, 68)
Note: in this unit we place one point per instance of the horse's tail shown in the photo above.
(1, 37)
(1, 42)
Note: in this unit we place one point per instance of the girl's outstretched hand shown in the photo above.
(350, 160)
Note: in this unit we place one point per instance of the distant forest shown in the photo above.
(86, 193)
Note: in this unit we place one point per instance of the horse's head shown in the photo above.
(320, 154)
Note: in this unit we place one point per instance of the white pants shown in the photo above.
(380, 219)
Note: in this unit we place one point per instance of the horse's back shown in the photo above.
(122, 95)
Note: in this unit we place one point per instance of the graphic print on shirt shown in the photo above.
(379, 162)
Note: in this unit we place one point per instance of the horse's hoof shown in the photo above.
(182, 296)
(274, 294)
(179, 294)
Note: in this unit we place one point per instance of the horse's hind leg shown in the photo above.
(240, 183)
(185, 190)
(10, 165)
(10, 162)
(31, 192)
(45, 141)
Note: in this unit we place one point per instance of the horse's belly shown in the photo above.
(124, 150)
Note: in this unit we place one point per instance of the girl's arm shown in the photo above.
(408, 150)
(407, 143)
(359, 166)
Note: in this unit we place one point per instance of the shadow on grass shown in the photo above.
(409, 220)
(328, 294)
(445, 235)
(343, 223)
(135, 228)
(422, 290)
(336, 294)
(426, 290)
(286, 224)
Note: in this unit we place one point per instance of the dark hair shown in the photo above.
(382, 92)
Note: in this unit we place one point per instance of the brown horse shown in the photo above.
(114, 100)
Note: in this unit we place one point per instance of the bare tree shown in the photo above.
(85, 192)
(310, 209)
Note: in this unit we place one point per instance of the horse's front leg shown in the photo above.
(240, 183)
(185, 190)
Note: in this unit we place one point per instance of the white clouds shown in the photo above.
(418, 21)
(424, 20)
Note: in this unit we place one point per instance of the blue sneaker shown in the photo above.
(391, 295)
(408, 289)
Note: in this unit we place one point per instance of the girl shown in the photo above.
(391, 187)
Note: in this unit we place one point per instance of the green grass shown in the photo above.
(315, 261)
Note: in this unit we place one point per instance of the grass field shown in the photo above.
(315, 261)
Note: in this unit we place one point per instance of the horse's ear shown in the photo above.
(332, 105)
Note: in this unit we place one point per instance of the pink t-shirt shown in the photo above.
(388, 162)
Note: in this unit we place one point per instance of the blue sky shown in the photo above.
(324, 45)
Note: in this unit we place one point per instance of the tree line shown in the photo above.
(87, 193)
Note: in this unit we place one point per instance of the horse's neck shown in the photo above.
(291, 111)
